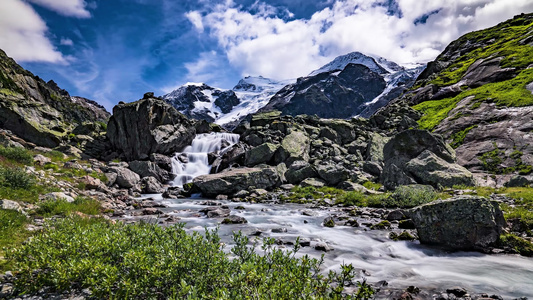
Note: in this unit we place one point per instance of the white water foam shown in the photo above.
(196, 162)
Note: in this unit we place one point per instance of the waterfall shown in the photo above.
(193, 161)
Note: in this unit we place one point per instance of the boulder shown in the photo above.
(295, 146)
(430, 169)
(150, 169)
(10, 205)
(41, 160)
(417, 156)
(148, 126)
(162, 161)
(150, 185)
(55, 196)
(231, 181)
(332, 173)
(298, 171)
(260, 154)
(314, 182)
(519, 181)
(125, 177)
(459, 223)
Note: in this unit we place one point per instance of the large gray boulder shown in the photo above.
(459, 223)
(295, 146)
(125, 177)
(260, 154)
(148, 126)
(150, 169)
(417, 156)
(232, 181)
(332, 173)
(298, 171)
(150, 185)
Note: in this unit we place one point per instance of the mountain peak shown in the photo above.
(375, 63)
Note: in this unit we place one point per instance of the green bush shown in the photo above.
(62, 207)
(518, 244)
(16, 178)
(20, 155)
(353, 198)
(146, 261)
(12, 232)
(408, 196)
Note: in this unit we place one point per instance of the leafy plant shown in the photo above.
(20, 155)
(151, 262)
(62, 207)
(408, 196)
(15, 178)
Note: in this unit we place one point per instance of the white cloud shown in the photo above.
(263, 43)
(23, 34)
(70, 8)
(66, 42)
(196, 19)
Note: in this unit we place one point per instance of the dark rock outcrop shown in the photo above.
(148, 126)
(460, 223)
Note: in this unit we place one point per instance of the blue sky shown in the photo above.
(115, 50)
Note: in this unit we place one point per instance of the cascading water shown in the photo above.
(193, 161)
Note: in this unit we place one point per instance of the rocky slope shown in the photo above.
(41, 112)
(478, 95)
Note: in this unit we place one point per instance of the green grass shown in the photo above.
(63, 208)
(146, 261)
(510, 93)
(15, 154)
(519, 245)
(459, 137)
(372, 185)
(300, 194)
(12, 233)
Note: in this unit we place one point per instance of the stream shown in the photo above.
(372, 253)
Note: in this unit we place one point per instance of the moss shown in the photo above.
(459, 137)
(519, 245)
(381, 225)
(372, 185)
(404, 236)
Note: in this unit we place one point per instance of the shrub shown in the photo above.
(12, 232)
(62, 207)
(151, 262)
(408, 196)
(16, 178)
(353, 198)
(20, 155)
(519, 245)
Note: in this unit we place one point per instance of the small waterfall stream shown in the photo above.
(193, 161)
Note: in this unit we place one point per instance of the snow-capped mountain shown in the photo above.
(351, 85)
(224, 107)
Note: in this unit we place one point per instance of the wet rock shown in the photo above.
(162, 161)
(462, 222)
(279, 230)
(322, 246)
(406, 224)
(404, 236)
(231, 181)
(151, 211)
(173, 192)
(395, 215)
(234, 220)
(218, 213)
(329, 222)
(457, 291)
(304, 242)
(150, 185)
(150, 169)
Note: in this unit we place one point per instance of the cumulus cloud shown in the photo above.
(265, 41)
(23, 34)
(196, 19)
(70, 8)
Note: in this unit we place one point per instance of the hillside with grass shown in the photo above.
(478, 94)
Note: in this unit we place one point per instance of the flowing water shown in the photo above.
(376, 257)
(193, 161)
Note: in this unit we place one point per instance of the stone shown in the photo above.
(162, 161)
(329, 222)
(10, 205)
(260, 154)
(374, 150)
(332, 173)
(125, 177)
(148, 126)
(418, 156)
(216, 212)
(314, 182)
(298, 171)
(459, 223)
(55, 196)
(295, 146)
(151, 169)
(41, 160)
(457, 291)
(279, 230)
(232, 181)
(322, 246)
(430, 169)
(234, 220)
(520, 181)
(395, 215)
(150, 185)
(263, 119)
(92, 183)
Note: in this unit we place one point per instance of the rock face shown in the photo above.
(148, 126)
(417, 156)
(470, 97)
(234, 180)
(41, 112)
(460, 223)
